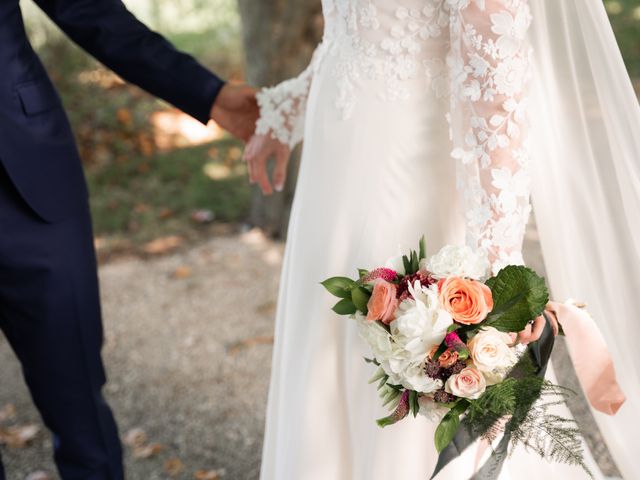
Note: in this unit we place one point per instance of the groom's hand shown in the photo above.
(259, 150)
(236, 110)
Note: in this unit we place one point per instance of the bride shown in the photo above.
(440, 117)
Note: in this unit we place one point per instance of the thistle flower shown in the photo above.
(433, 369)
(443, 397)
(457, 367)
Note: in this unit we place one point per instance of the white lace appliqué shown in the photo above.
(489, 66)
(473, 51)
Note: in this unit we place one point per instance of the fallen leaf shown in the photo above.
(147, 451)
(165, 213)
(7, 412)
(141, 208)
(39, 475)
(146, 145)
(162, 245)
(207, 475)
(249, 342)
(173, 466)
(18, 436)
(182, 272)
(124, 116)
(136, 437)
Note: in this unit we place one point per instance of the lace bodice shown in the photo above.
(478, 59)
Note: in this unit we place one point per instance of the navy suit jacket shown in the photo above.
(37, 147)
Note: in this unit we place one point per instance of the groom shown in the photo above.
(49, 302)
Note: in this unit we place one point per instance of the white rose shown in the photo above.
(492, 354)
(459, 261)
(421, 323)
(469, 383)
(433, 411)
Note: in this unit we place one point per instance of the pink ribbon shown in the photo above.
(590, 357)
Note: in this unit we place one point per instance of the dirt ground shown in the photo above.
(188, 350)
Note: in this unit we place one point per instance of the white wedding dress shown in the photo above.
(415, 120)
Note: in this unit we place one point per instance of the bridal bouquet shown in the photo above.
(444, 339)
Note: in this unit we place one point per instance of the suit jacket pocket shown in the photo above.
(37, 96)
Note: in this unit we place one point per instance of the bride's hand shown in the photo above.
(257, 153)
(533, 331)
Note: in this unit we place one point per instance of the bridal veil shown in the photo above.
(586, 188)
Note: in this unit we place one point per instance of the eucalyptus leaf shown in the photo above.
(423, 248)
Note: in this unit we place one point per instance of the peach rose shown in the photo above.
(468, 301)
(469, 383)
(433, 351)
(448, 358)
(383, 303)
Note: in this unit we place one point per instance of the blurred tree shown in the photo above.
(279, 38)
(625, 18)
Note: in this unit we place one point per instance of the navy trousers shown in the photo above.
(50, 314)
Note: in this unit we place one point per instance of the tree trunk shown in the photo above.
(279, 37)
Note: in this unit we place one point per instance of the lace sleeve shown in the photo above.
(283, 107)
(489, 64)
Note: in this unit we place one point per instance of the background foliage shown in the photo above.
(143, 190)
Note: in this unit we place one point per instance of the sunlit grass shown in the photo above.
(146, 198)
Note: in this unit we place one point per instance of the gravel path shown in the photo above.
(188, 348)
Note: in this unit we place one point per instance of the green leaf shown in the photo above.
(339, 286)
(362, 273)
(407, 265)
(380, 373)
(519, 296)
(414, 405)
(449, 425)
(423, 248)
(360, 298)
(345, 307)
(440, 351)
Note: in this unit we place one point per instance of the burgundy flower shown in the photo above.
(443, 397)
(403, 286)
(386, 274)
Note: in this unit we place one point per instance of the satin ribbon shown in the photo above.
(590, 356)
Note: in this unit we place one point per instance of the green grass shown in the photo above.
(146, 198)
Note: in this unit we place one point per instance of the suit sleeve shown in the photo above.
(114, 36)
